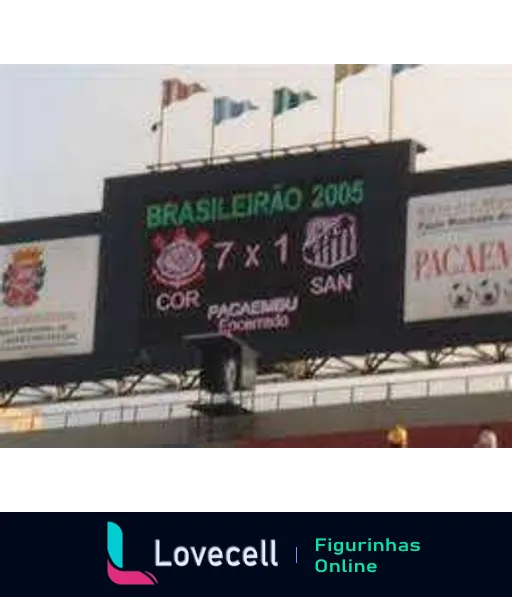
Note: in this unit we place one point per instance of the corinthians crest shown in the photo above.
(24, 277)
(180, 259)
(330, 241)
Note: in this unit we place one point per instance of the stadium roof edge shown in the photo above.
(351, 144)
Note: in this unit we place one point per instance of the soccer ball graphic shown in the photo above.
(487, 292)
(460, 295)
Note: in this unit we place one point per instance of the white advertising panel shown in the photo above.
(459, 254)
(48, 298)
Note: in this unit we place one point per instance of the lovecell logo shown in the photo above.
(115, 569)
(180, 556)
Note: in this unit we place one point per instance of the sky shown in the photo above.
(66, 128)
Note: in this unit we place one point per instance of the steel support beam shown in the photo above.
(146, 384)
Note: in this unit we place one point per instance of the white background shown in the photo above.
(70, 285)
(432, 493)
(428, 298)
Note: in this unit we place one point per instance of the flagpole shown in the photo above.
(335, 97)
(212, 140)
(391, 105)
(272, 133)
(161, 130)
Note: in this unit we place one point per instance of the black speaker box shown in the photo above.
(227, 364)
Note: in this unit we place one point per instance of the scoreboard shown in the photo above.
(256, 260)
(277, 252)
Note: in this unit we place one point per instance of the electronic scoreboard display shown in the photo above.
(275, 250)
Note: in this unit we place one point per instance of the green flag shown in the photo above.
(285, 99)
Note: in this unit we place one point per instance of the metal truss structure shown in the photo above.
(145, 384)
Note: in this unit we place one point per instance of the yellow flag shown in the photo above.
(342, 71)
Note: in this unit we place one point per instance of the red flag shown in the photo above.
(174, 90)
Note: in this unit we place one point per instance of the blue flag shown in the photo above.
(225, 108)
(396, 69)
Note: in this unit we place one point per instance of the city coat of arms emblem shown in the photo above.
(179, 260)
(23, 278)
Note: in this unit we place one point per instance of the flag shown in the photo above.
(342, 71)
(174, 90)
(396, 69)
(285, 99)
(225, 108)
